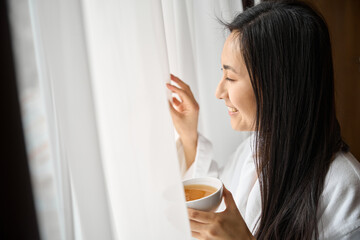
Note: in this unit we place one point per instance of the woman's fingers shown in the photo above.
(197, 226)
(173, 111)
(225, 225)
(184, 112)
(200, 216)
(182, 85)
(183, 95)
(196, 235)
(179, 82)
(176, 102)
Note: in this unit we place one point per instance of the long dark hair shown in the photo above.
(287, 52)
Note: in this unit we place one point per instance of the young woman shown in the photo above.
(293, 178)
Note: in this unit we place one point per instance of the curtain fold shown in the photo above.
(129, 68)
(38, 119)
(56, 73)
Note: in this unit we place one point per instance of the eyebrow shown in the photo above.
(227, 67)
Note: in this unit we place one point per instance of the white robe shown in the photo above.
(339, 207)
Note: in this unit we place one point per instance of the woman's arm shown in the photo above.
(204, 225)
(185, 114)
(189, 146)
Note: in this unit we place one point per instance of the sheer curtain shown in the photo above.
(97, 71)
(62, 140)
(129, 68)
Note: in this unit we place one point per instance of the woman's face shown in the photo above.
(235, 87)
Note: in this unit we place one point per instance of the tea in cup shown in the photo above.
(203, 194)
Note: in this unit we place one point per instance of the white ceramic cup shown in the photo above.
(208, 203)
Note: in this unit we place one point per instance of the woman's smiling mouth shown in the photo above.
(232, 110)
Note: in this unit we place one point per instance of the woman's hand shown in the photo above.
(228, 224)
(185, 114)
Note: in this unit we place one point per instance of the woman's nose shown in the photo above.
(221, 91)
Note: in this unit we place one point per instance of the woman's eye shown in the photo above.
(229, 79)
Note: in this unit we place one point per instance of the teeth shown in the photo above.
(231, 109)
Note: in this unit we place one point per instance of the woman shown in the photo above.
(293, 178)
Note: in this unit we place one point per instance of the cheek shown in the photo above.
(243, 98)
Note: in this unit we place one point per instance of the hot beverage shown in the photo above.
(197, 191)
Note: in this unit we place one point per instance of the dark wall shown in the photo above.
(17, 211)
(343, 20)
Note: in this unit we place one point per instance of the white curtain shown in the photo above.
(98, 70)
(129, 68)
